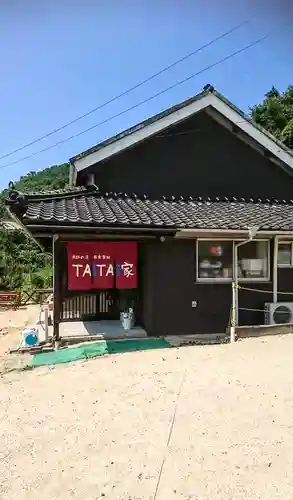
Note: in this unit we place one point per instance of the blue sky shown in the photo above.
(60, 59)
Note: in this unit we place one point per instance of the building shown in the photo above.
(155, 215)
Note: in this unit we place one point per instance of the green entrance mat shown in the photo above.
(94, 349)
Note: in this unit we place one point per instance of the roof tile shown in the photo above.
(113, 210)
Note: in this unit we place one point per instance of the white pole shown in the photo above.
(46, 326)
(235, 277)
(233, 314)
(275, 270)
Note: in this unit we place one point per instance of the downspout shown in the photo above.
(275, 270)
(72, 174)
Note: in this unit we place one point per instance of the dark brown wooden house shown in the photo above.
(155, 215)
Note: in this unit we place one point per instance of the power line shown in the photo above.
(220, 61)
(140, 84)
(138, 104)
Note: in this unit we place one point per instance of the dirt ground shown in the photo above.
(99, 429)
(20, 317)
(12, 322)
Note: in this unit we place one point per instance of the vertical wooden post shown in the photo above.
(56, 287)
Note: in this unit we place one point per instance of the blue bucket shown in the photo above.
(31, 337)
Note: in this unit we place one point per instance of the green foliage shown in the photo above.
(22, 264)
(275, 114)
(50, 179)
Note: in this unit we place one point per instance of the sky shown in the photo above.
(59, 59)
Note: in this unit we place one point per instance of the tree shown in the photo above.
(275, 114)
(49, 179)
(22, 265)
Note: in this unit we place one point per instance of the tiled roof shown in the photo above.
(92, 208)
(67, 190)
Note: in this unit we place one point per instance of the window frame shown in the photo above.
(284, 242)
(213, 280)
(229, 280)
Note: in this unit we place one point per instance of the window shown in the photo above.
(253, 260)
(215, 259)
(285, 254)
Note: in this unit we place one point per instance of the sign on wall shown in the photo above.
(101, 265)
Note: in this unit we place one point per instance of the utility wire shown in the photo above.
(140, 84)
(180, 82)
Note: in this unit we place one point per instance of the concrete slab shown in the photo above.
(207, 338)
(107, 329)
(99, 329)
(264, 330)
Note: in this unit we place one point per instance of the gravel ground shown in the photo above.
(12, 322)
(20, 317)
(99, 429)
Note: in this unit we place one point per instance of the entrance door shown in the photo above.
(102, 305)
(110, 303)
(107, 305)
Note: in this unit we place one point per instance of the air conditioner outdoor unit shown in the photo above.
(278, 313)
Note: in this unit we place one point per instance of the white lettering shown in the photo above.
(110, 270)
(100, 266)
(77, 266)
(127, 269)
(87, 270)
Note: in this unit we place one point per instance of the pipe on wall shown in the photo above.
(275, 270)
